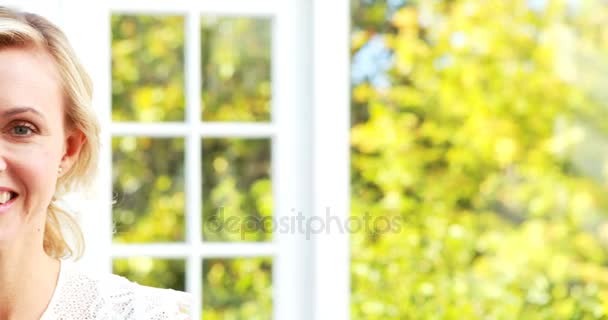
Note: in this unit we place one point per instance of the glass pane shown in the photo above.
(236, 69)
(482, 127)
(147, 68)
(237, 289)
(148, 180)
(158, 273)
(237, 190)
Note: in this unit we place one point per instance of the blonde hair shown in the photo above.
(22, 29)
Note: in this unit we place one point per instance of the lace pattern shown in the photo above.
(87, 296)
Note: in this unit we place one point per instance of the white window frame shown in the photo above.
(309, 133)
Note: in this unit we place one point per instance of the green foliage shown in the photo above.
(147, 68)
(236, 69)
(148, 173)
(487, 136)
(148, 177)
(236, 186)
(237, 289)
(152, 272)
(476, 144)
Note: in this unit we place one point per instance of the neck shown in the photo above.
(28, 278)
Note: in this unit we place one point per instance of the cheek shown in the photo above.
(33, 169)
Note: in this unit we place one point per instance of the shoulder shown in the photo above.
(109, 296)
(130, 299)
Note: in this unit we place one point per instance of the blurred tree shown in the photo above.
(236, 185)
(236, 69)
(159, 273)
(148, 177)
(483, 125)
(148, 174)
(147, 68)
(237, 289)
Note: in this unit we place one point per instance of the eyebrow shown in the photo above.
(18, 110)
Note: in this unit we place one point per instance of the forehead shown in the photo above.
(29, 77)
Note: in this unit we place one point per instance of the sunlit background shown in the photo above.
(485, 125)
(148, 173)
(482, 124)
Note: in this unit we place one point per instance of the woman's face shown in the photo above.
(34, 141)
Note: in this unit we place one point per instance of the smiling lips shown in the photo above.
(6, 196)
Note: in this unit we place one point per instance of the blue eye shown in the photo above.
(22, 130)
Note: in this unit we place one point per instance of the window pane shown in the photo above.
(236, 69)
(158, 273)
(237, 190)
(237, 289)
(148, 180)
(147, 68)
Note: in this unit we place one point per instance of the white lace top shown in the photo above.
(88, 296)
